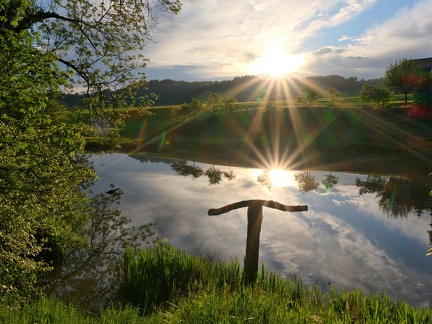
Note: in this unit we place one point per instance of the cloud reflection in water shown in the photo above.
(344, 238)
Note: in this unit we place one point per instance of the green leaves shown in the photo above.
(404, 76)
(377, 96)
(42, 180)
(49, 47)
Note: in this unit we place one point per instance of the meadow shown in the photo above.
(312, 137)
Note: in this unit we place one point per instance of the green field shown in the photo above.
(311, 137)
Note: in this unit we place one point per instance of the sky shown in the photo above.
(216, 40)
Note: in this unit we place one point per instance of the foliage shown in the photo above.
(43, 176)
(350, 86)
(245, 88)
(334, 97)
(403, 76)
(395, 195)
(271, 98)
(187, 110)
(423, 94)
(230, 103)
(308, 97)
(214, 102)
(93, 269)
(377, 96)
(96, 43)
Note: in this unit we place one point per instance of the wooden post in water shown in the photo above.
(255, 216)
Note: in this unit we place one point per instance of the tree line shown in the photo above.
(404, 76)
(246, 88)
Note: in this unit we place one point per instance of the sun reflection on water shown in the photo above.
(276, 178)
(282, 178)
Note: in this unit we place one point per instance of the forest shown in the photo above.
(244, 88)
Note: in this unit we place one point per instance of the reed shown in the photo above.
(167, 285)
(163, 273)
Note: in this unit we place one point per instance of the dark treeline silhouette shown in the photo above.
(245, 89)
(214, 174)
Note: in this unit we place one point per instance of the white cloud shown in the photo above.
(223, 37)
(406, 35)
(408, 31)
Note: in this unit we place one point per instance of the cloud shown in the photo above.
(405, 35)
(223, 38)
(329, 50)
(332, 13)
(343, 238)
(215, 40)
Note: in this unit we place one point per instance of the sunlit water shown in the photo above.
(345, 239)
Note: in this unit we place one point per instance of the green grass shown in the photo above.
(313, 138)
(166, 285)
(195, 290)
(316, 136)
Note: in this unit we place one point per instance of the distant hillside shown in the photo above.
(244, 88)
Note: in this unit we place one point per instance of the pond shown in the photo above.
(366, 231)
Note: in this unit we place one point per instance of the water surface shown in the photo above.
(360, 230)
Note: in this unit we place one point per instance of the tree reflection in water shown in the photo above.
(90, 275)
(265, 179)
(214, 175)
(397, 197)
(330, 181)
(306, 182)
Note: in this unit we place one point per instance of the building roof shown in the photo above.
(425, 63)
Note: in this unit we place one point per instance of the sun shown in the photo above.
(276, 62)
(282, 178)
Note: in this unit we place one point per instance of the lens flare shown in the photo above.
(162, 140)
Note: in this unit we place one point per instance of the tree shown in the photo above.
(377, 96)
(42, 177)
(308, 97)
(215, 102)
(94, 268)
(423, 96)
(229, 103)
(334, 96)
(270, 104)
(97, 43)
(187, 110)
(45, 48)
(404, 76)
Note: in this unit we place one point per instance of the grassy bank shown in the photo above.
(315, 138)
(165, 285)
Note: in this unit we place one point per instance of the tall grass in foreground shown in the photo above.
(166, 285)
(163, 273)
(169, 285)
